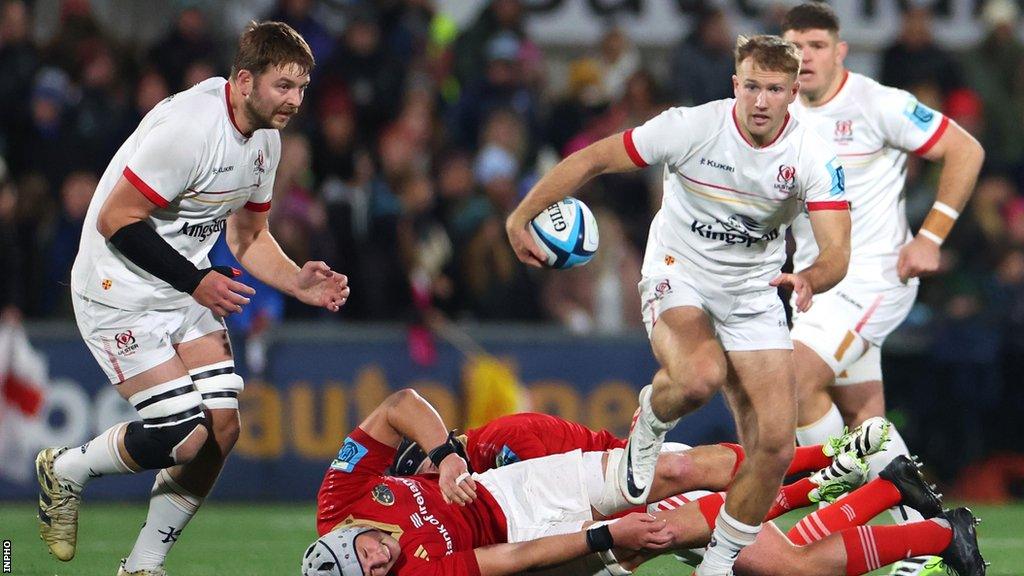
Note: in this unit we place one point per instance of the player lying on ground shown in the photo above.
(523, 516)
(523, 436)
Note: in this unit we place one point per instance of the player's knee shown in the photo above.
(162, 447)
(774, 455)
(173, 427)
(700, 381)
(675, 468)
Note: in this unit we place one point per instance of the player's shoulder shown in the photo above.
(874, 97)
(195, 108)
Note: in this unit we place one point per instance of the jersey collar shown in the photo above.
(736, 124)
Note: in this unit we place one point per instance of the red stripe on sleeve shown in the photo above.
(830, 205)
(144, 188)
(627, 139)
(257, 206)
(935, 137)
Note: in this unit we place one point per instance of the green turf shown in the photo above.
(268, 540)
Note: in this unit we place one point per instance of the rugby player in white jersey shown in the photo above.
(149, 304)
(872, 127)
(737, 172)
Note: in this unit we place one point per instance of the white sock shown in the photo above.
(831, 424)
(730, 536)
(170, 509)
(895, 447)
(98, 457)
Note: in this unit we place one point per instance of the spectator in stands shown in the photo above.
(702, 64)
(299, 221)
(916, 61)
(301, 15)
(19, 59)
(102, 111)
(187, 42)
(600, 297)
(471, 49)
(11, 286)
(496, 287)
(62, 238)
(993, 68)
(51, 149)
(620, 59)
(584, 101)
(373, 78)
(1007, 299)
(501, 87)
(966, 371)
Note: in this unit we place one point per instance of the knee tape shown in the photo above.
(611, 500)
(218, 384)
(154, 448)
(168, 403)
(170, 412)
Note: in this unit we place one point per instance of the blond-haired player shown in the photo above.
(872, 127)
(737, 172)
(149, 303)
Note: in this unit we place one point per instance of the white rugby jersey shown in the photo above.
(727, 202)
(188, 158)
(871, 127)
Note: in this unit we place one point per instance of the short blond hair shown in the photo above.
(770, 53)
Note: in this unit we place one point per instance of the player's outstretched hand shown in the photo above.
(221, 294)
(640, 530)
(457, 486)
(918, 257)
(522, 243)
(318, 285)
(800, 287)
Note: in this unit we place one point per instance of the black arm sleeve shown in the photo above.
(140, 243)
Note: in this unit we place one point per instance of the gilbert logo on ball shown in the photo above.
(567, 233)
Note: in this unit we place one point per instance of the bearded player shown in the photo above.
(149, 303)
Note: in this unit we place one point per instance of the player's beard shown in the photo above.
(260, 112)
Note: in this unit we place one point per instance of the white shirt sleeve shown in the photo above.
(259, 200)
(824, 187)
(664, 139)
(904, 122)
(166, 162)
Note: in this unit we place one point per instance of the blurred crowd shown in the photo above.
(417, 138)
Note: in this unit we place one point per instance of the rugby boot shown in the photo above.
(906, 475)
(636, 466)
(963, 554)
(58, 507)
(845, 473)
(870, 437)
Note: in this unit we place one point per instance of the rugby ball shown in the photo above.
(566, 232)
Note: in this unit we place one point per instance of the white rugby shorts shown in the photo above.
(749, 321)
(847, 325)
(541, 496)
(126, 343)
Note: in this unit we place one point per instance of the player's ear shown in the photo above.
(735, 85)
(842, 50)
(245, 80)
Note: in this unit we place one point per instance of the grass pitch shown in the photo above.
(268, 540)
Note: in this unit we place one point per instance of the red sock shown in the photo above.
(871, 547)
(857, 508)
(791, 497)
(808, 459)
(709, 507)
(740, 456)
